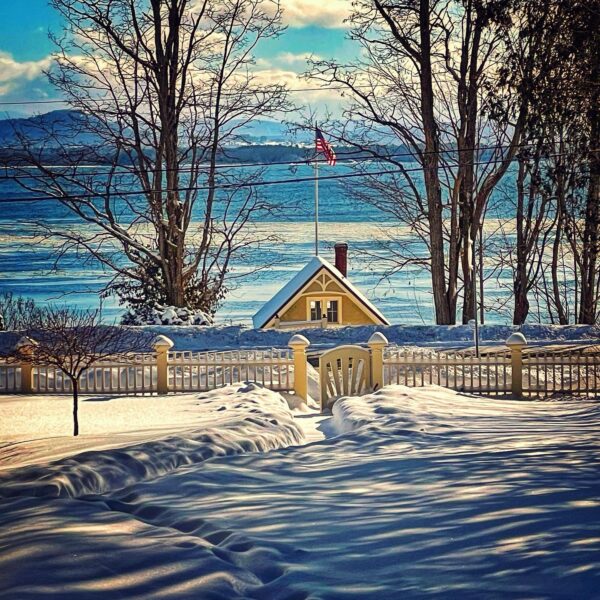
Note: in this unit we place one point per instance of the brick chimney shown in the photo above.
(341, 258)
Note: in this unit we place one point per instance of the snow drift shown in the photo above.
(222, 422)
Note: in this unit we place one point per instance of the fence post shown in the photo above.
(298, 343)
(377, 343)
(162, 344)
(26, 348)
(516, 342)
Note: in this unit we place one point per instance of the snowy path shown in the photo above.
(316, 427)
(432, 494)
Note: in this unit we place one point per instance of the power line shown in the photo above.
(337, 88)
(234, 94)
(204, 166)
(225, 186)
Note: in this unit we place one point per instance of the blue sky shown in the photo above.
(24, 28)
(314, 26)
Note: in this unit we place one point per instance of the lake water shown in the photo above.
(27, 264)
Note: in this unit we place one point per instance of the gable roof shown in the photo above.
(299, 281)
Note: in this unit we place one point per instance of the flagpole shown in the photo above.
(317, 206)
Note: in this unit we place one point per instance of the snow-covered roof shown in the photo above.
(295, 285)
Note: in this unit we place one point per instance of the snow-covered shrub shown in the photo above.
(166, 315)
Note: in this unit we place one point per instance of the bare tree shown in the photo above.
(562, 91)
(162, 87)
(422, 87)
(73, 341)
(15, 311)
(526, 234)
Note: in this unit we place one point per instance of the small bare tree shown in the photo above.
(73, 341)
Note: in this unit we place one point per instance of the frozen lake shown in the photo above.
(27, 264)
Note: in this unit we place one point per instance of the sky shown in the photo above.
(313, 27)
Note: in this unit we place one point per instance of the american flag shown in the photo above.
(322, 145)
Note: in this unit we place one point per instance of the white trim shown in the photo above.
(324, 300)
(285, 297)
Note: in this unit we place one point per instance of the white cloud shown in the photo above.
(295, 81)
(326, 13)
(291, 59)
(13, 73)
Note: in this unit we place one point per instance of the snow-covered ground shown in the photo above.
(238, 336)
(426, 493)
(129, 439)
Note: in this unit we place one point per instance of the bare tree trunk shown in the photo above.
(481, 279)
(561, 313)
(75, 384)
(468, 89)
(591, 234)
(521, 308)
(442, 297)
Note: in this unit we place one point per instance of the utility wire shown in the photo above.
(225, 94)
(202, 167)
(225, 186)
(335, 87)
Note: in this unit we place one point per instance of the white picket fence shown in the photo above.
(517, 370)
(570, 372)
(490, 374)
(136, 374)
(543, 372)
(139, 373)
(202, 371)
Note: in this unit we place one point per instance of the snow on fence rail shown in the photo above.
(201, 371)
(167, 370)
(549, 372)
(485, 374)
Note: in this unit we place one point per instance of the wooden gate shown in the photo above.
(344, 371)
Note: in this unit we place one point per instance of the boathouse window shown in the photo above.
(332, 311)
(315, 310)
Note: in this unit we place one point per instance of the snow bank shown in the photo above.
(227, 421)
(429, 494)
(231, 337)
(238, 336)
(398, 408)
(419, 413)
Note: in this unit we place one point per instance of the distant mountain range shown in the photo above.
(259, 141)
(67, 123)
(62, 123)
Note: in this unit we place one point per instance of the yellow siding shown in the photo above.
(354, 314)
(326, 287)
(296, 312)
(333, 287)
(314, 287)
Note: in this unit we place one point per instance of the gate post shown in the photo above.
(26, 348)
(162, 344)
(377, 342)
(516, 342)
(298, 343)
